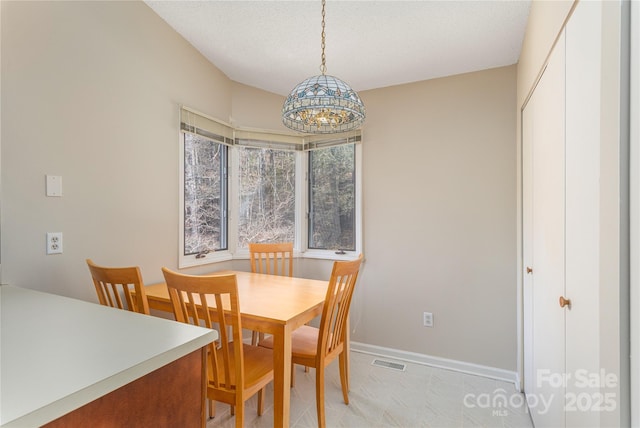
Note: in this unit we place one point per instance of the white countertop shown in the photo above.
(58, 354)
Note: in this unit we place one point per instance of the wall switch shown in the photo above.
(54, 185)
(427, 319)
(54, 242)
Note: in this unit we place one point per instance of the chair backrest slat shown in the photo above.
(113, 282)
(272, 258)
(335, 311)
(198, 299)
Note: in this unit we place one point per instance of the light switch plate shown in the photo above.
(54, 185)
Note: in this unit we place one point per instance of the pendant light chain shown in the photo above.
(323, 67)
(323, 104)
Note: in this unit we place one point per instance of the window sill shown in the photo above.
(215, 257)
(329, 255)
(224, 256)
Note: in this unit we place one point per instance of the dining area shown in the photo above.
(116, 364)
(262, 331)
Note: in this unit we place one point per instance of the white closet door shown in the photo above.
(585, 400)
(527, 243)
(544, 212)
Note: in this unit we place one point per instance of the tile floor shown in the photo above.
(421, 396)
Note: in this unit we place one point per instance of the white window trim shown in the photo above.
(234, 203)
(186, 261)
(301, 210)
(330, 254)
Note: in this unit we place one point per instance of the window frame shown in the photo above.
(201, 125)
(276, 141)
(266, 140)
(189, 260)
(330, 254)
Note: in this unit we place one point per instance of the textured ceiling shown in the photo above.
(274, 45)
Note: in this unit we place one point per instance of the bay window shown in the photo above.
(239, 186)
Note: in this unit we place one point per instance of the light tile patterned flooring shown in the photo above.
(421, 396)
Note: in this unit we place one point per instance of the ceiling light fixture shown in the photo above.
(323, 104)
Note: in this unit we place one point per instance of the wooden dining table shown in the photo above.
(271, 304)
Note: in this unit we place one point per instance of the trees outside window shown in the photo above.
(267, 184)
(205, 195)
(332, 198)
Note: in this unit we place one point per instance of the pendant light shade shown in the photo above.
(323, 104)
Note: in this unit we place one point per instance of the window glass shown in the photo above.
(266, 195)
(332, 198)
(205, 195)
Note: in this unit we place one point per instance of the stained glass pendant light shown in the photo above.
(323, 104)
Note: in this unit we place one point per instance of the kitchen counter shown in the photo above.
(58, 354)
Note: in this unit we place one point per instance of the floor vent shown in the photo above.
(389, 365)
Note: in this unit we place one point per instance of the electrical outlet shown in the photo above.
(427, 319)
(54, 242)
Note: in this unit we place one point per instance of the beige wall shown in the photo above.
(255, 108)
(439, 222)
(91, 93)
(93, 96)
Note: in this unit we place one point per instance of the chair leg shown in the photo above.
(240, 414)
(293, 374)
(261, 401)
(344, 376)
(212, 409)
(320, 396)
(232, 409)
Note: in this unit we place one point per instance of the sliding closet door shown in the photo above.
(585, 400)
(544, 243)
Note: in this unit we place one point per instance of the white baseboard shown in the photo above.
(443, 363)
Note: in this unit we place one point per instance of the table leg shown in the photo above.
(281, 376)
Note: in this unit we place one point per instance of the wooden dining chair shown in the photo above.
(235, 371)
(272, 259)
(112, 283)
(318, 347)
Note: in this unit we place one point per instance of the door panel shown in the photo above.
(584, 401)
(544, 162)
